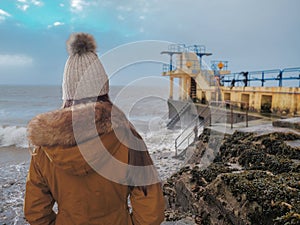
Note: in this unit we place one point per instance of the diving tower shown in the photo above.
(267, 91)
(194, 76)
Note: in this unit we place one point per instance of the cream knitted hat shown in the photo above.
(84, 75)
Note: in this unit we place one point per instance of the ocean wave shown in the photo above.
(13, 136)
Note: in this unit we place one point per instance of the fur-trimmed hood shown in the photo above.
(63, 134)
(93, 137)
(70, 126)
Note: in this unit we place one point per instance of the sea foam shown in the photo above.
(13, 136)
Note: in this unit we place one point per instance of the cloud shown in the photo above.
(3, 15)
(140, 6)
(56, 24)
(34, 2)
(25, 4)
(120, 17)
(15, 60)
(23, 7)
(37, 3)
(77, 5)
(124, 8)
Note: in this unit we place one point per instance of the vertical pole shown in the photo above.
(231, 115)
(180, 88)
(262, 78)
(180, 58)
(171, 63)
(280, 78)
(200, 62)
(171, 87)
(248, 79)
(247, 106)
(184, 87)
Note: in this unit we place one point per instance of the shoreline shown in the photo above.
(249, 157)
(14, 155)
(14, 163)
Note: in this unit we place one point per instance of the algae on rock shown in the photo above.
(254, 179)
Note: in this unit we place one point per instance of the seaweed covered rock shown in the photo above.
(270, 199)
(254, 179)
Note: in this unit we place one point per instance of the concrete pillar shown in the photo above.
(180, 88)
(184, 88)
(171, 87)
(188, 87)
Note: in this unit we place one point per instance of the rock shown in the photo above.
(293, 123)
(262, 188)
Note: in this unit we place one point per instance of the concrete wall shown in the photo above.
(280, 100)
(174, 108)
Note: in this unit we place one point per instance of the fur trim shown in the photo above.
(85, 121)
(80, 43)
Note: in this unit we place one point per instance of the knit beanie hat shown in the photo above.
(84, 75)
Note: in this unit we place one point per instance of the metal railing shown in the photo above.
(259, 78)
(195, 124)
(244, 105)
(166, 68)
(197, 48)
(188, 132)
(177, 48)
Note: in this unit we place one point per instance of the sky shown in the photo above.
(250, 34)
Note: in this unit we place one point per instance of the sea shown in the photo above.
(19, 104)
(145, 106)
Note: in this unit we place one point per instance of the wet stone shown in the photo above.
(262, 188)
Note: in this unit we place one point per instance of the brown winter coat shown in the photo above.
(60, 173)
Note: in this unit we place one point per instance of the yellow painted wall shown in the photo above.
(285, 100)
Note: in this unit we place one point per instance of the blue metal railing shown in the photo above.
(260, 78)
(199, 50)
(193, 65)
(166, 68)
(196, 48)
(177, 48)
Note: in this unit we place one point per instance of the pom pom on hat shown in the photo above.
(80, 43)
(84, 74)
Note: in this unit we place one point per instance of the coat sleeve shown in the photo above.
(38, 198)
(147, 209)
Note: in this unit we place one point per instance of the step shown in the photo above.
(293, 123)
